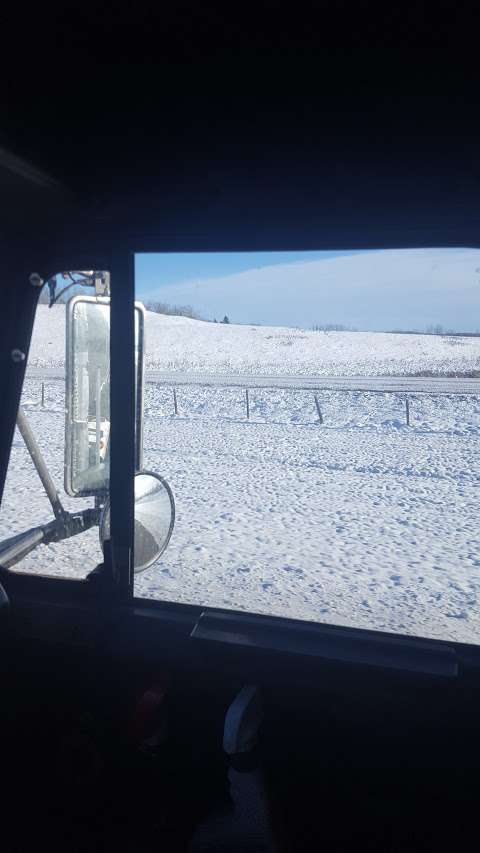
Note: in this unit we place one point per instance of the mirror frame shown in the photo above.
(69, 362)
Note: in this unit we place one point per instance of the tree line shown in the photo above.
(154, 306)
(179, 311)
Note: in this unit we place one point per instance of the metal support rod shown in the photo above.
(319, 411)
(407, 410)
(40, 464)
(175, 406)
(119, 555)
(248, 403)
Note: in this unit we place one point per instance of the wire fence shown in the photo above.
(247, 400)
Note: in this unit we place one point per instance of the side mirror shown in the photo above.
(154, 519)
(87, 428)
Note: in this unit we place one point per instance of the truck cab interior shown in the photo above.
(130, 724)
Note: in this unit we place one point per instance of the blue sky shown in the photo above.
(154, 271)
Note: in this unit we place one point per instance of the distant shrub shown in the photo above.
(333, 327)
(173, 310)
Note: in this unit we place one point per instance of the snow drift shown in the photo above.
(179, 344)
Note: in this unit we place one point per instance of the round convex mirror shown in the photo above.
(154, 519)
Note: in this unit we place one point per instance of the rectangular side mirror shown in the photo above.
(87, 397)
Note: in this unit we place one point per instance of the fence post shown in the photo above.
(320, 416)
(407, 410)
(43, 395)
(175, 401)
(248, 403)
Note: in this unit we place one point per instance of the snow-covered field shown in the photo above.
(361, 521)
(178, 344)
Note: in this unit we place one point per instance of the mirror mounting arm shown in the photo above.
(90, 278)
(102, 578)
(71, 524)
(40, 464)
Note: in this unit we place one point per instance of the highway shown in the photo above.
(378, 384)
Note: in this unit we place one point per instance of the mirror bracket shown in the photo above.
(102, 283)
(101, 577)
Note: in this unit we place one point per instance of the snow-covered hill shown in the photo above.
(178, 344)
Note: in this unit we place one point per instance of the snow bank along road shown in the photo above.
(360, 521)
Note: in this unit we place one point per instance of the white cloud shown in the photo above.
(388, 289)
